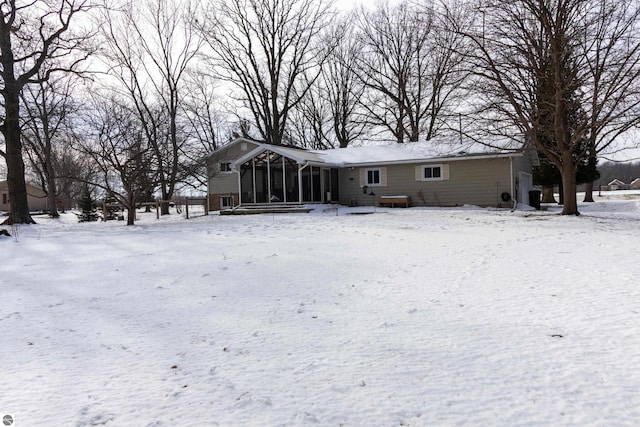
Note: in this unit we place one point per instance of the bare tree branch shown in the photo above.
(265, 48)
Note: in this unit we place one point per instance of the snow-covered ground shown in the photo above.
(421, 317)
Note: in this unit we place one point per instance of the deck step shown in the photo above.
(265, 209)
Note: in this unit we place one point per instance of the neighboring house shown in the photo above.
(617, 184)
(635, 184)
(36, 198)
(247, 172)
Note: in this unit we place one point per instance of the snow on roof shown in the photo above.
(300, 154)
(434, 149)
(408, 152)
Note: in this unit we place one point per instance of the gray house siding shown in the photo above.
(224, 183)
(36, 198)
(524, 163)
(523, 174)
(479, 182)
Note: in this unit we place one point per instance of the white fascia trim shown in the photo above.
(274, 148)
(436, 160)
(251, 154)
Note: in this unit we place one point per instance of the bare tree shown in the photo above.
(525, 44)
(240, 128)
(74, 170)
(411, 64)
(612, 75)
(310, 120)
(342, 88)
(264, 48)
(205, 121)
(121, 158)
(32, 33)
(203, 111)
(148, 48)
(393, 39)
(48, 105)
(331, 115)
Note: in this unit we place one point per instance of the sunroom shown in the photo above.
(284, 175)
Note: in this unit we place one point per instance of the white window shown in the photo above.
(226, 202)
(373, 177)
(225, 166)
(432, 173)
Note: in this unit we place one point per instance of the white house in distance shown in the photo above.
(617, 184)
(36, 198)
(250, 173)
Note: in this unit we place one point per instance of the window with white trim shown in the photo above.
(225, 166)
(432, 173)
(226, 202)
(373, 177)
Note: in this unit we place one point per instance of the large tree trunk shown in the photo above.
(131, 209)
(15, 164)
(547, 195)
(399, 133)
(17, 187)
(164, 206)
(131, 215)
(415, 134)
(568, 172)
(51, 201)
(588, 192)
(51, 190)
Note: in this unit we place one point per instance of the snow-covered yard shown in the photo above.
(421, 317)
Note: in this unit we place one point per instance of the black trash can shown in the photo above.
(534, 199)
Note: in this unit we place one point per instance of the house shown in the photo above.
(617, 184)
(248, 172)
(635, 184)
(36, 198)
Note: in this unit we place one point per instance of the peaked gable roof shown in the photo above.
(300, 155)
(232, 144)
